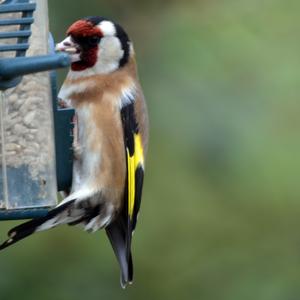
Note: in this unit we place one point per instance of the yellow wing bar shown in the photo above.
(132, 163)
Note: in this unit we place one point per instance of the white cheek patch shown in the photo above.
(107, 28)
(111, 49)
(109, 55)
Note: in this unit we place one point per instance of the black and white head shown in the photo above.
(96, 44)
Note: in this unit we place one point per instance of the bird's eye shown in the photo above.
(93, 40)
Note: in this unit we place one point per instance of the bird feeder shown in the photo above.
(35, 139)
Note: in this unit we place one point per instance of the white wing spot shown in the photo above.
(127, 96)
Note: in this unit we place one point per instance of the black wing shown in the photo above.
(120, 232)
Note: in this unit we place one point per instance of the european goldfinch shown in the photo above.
(110, 138)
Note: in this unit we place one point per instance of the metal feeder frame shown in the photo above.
(11, 72)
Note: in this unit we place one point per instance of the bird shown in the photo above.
(110, 139)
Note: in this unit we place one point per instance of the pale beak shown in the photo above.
(68, 46)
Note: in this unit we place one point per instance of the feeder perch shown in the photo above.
(35, 139)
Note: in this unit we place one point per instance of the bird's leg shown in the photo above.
(64, 103)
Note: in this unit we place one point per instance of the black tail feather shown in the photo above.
(117, 236)
(26, 229)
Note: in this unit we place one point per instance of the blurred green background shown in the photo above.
(221, 207)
